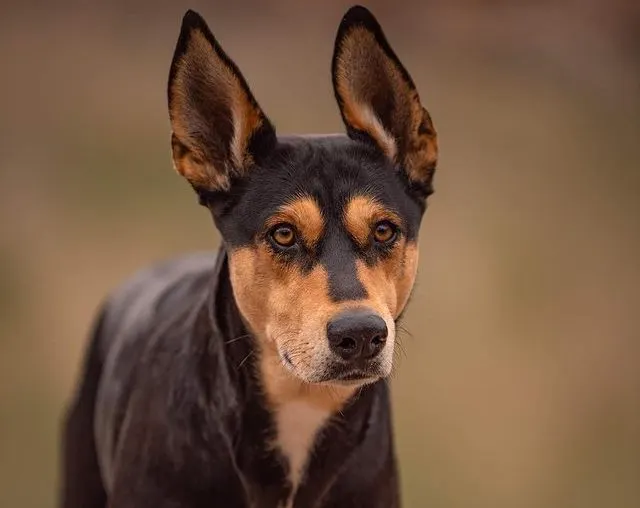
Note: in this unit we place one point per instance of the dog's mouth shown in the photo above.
(356, 377)
(340, 374)
(365, 374)
(352, 376)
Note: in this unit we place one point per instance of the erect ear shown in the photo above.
(379, 101)
(218, 129)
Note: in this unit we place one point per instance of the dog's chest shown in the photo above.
(297, 426)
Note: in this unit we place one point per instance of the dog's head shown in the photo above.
(321, 231)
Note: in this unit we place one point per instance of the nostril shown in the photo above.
(347, 344)
(378, 340)
(357, 335)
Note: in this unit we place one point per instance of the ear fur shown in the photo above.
(218, 129)
(378, 100)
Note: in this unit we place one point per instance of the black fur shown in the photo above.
(180, 421)
(331, 169)
(170, 412)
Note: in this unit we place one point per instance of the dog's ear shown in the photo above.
(218, 129)
(378, 100)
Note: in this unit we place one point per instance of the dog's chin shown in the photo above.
(355, 381)
(336, 375)
(355, 376)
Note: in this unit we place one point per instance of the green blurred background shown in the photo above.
(520, 386)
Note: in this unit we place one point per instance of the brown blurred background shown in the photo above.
(520, 386)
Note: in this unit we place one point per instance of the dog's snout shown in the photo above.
(357, 335)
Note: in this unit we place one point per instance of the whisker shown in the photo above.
(400, 349)
(244, 360)
(231, 341)
(404, 330)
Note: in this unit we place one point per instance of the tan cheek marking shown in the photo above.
(404, 284)
(361, 213)
(248, 280)
(282, 306)
(299, 305)
(304, 213)
(297, 300)
(381, 290)
(389, 282)
(277, 297)
(284, 301)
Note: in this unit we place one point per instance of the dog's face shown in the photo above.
(321, 231)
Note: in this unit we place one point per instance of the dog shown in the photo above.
(257, 377)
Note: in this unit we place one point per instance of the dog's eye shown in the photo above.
(385, 232)
(283, 235)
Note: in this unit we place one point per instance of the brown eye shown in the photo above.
(385, 232)
(283, 236)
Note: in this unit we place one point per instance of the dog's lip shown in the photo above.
(345, 376)
(353, 375)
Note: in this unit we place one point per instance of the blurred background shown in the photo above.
(520, 386)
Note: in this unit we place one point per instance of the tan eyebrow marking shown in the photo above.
(305, 214)
(360, 215)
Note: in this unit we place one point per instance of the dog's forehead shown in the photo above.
(331, 169)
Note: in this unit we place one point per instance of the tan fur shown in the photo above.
(362, 213)
(288, 312)
(191, 161)
(364, 70)
(407, 277)
(389, 282)
(192, 164)
(304, 213)
(287, 309)
(422, 151)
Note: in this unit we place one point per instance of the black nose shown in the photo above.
(357, 334)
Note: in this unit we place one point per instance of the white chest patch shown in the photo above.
(298, 423)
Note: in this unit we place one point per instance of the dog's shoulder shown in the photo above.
(168, 284)
(152, 302)
(143, 326)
